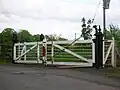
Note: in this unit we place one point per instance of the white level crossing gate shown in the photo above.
(81, 53)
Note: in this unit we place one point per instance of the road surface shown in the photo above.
(39, 78)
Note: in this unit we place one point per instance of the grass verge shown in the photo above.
(3, 62)
(114, 72)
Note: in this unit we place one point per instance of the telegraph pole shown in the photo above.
(104, 19)
(105, 6)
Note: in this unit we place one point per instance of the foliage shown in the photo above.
(54, 37)
(24, 36)
(3, 61)
(86, 29)
(6, 35)
(6, 41)
(36, 37)
(114, 31)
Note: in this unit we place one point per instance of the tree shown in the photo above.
(6, 43)
(55, 37)
(6, 35)
(24, 36)
(6, 40)
(36, 37)
(86, 29)
(114, 31)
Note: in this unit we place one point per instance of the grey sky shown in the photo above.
(54, 16)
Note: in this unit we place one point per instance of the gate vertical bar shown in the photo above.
(25, 51)
(14, 55)
(19, 50)
(38, 53)
(52, 53)
(93, 52)
(113, 62)
(103, 51)
(14, 40)
(104, 30)
(46, 49)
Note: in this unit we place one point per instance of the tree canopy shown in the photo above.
(6, 37)
(6, 40)
(25, 36)
(114, 31)
(86, 29)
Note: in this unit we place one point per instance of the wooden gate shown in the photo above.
(81, 53)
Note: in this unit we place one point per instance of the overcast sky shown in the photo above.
(54, 16)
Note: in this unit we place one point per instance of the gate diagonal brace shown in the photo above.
(108, 52)
(26, 52)
(72, 53)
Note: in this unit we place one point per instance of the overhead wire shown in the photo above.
(91, 23)
(96, 11)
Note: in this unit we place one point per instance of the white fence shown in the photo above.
(82, 53)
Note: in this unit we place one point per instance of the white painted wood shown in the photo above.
(59, 63)
(19, 51)
(56, 42)
(38, 53)
(52, 53)
(46, 48)
(28, 43)
(23, 49)
(59, 42)
(108, 40)
(69, 42)
(93, 52)
(108, 52)
(66, 50)
(14, 57)
(72, 53)
(113, 62)
(26, 52)
(103, 51)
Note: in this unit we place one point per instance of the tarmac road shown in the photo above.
(28, 78)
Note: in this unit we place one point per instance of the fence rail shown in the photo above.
(59, 52)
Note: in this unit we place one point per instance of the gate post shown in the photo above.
(44, 51)
(98, 48)
(14, 40)
(38, 53)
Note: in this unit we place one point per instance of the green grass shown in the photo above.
(113, 72)
(3, 62)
